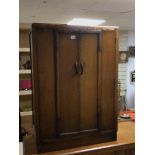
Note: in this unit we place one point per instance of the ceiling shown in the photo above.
(116, 12)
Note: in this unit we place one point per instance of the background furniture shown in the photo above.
(74, 72)
(25, 96)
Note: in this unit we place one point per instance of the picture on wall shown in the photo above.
(131, 51)
(132, 77)
(123, 56)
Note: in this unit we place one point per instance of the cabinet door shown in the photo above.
(88, 48)
(68, 82)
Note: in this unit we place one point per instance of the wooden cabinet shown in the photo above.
(74, 73)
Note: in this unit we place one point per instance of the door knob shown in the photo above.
(81, 68)
(76, 68)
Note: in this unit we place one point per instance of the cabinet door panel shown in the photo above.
(88, 81)
(68, 84)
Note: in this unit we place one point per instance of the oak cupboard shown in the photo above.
(74, 74)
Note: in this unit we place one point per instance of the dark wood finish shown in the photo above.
(125, 143)
(44, 81)
(71, 28)
(68, 82)
(46, 85)
(116, 77)
(129, 152)
(74, 89)
(109, 78)
(88, 82)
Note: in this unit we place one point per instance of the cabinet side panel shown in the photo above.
(46, 85)
(108, 80)
(88, 81)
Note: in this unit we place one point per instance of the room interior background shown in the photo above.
(126, 39)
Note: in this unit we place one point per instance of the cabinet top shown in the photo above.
(65, 26)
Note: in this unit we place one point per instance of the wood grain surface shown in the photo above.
(125, 143)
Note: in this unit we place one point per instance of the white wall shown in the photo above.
(130, 87)
(123, 41)
(123, 46)
(126, 39)
(130, 67)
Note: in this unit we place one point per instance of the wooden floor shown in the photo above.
(124, 145)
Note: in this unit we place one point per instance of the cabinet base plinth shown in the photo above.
(71, 142)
